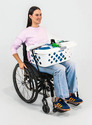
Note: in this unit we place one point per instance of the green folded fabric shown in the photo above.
(55, 45)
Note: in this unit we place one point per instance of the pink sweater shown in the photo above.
(31, 36)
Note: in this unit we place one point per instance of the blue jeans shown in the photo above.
(64, 76)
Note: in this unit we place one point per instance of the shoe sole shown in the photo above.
(61, 109)
(76, 103)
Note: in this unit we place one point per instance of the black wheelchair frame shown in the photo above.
(30, 82)
(34, 81)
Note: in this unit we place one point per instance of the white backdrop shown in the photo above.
(67, 19)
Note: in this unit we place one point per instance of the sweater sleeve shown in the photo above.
(21, 38)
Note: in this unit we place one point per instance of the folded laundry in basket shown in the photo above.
(44, 48)
(55, 45)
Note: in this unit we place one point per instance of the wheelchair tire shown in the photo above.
(46, 109)
(25, 85)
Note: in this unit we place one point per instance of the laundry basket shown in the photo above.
(48, 55)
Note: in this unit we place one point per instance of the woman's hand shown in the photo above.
(22, 65)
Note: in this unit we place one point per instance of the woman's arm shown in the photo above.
(21, 64)
(16, 44)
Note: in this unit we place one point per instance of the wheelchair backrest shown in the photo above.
(29, 65)
(24, 53)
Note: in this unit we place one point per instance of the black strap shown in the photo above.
(35, 59)
(24, 53)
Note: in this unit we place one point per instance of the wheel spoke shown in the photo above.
(20, 86)
(23, 92)
(20, 82)
(20, 73)
(19, 76)
(25, 85)
(27, 94)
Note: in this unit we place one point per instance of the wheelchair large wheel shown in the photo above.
(25, 84)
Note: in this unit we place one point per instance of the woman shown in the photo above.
(64, 74)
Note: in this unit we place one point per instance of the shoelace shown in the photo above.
(61, 101)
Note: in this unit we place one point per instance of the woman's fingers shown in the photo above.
(22, 65)
(25, 66)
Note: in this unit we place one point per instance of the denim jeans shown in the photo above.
(64, 76)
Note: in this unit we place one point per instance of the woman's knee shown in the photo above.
(72, 65)
(69, 64)
(59, 69)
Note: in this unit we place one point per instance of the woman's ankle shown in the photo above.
(56, 99)
(69, 94)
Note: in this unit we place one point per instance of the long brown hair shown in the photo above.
(31, 10)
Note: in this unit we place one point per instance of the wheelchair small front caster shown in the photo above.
(45, 106)
(46, 109)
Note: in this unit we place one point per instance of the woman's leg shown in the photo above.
(71, 76)
(60, 82)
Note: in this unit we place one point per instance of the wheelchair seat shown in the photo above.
(36, 72)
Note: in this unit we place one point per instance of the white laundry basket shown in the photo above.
(48, 55)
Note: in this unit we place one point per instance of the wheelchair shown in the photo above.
(30, 82)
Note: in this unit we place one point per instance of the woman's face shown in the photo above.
(36, 17)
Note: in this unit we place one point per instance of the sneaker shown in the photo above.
(61, 105)
(73, 99)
